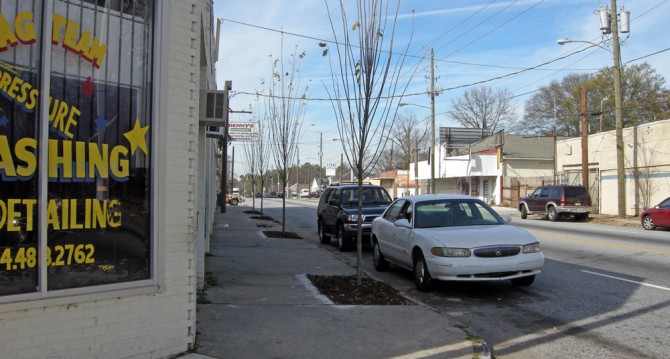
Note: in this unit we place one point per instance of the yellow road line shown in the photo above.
(608, 244)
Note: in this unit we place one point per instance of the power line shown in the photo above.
(520, 70)
(383, 51)
(496, 28)
(430, 44)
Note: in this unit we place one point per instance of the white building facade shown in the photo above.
(646, 162)
(107, 178)
(479, 172)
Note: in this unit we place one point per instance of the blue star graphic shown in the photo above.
(100, 124)
(4, 121)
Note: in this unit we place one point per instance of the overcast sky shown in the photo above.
(475, 42)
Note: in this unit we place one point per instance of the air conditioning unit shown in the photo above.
(213, 108)
(214, 131)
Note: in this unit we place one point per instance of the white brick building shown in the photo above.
(647, 168)
(103, 232)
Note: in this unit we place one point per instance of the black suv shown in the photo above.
(337, 213)
(557, 201)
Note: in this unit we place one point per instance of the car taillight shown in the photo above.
(562, 201)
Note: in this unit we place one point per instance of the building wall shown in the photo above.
(151, 321)
(646, 161)
(527, 168)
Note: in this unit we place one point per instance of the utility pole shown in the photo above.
(232, 171)
(585, 140)
(618, 108)
(341, 167)
(432, 115)
(416, 166)
(224, 144)
(609, 24)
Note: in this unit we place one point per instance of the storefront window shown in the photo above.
(99, 120)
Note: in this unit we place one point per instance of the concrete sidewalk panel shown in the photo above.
(264, 307)
(322, 331)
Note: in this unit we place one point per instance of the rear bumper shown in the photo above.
(574, 209)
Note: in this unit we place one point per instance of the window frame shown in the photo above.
(156, 281)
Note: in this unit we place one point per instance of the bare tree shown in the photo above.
(485, 108)
(249, 153)
(256, 156)
(365, 79)
(408, 134)
(285, 110)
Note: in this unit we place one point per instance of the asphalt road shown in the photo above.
(604, 291)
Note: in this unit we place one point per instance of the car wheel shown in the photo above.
(422, 279)
(342, 240)
(524, 281)
(381, 264)
(233, 202)
(323, 237)
(552, 214)
(524, 212)
(648, 223)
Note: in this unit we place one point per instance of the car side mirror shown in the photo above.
(403, 222)
(507, 218)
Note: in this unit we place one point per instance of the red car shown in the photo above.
(657, 216)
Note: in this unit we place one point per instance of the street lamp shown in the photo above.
(616, 56)
(432, 140)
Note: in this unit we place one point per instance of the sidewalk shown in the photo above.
(264, 307)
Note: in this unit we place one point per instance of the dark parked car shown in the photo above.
(557, 201)
(658, 216)
(337, 213)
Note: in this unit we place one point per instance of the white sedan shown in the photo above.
(455, 238)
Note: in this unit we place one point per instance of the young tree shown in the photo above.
(256, 156)
(485, 108)
(285, 110)
(365, 85)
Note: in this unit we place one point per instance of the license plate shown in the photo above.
(577, 204)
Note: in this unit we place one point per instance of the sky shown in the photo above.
(501, 44)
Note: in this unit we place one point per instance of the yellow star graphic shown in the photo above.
(136, 138)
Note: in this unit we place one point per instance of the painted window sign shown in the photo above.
(98, 165)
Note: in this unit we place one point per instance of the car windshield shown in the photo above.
(371, 196)
(454, 212)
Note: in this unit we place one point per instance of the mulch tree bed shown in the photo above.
(280, 234)
(343, 290)
(261, 216)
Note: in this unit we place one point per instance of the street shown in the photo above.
(603, 292)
